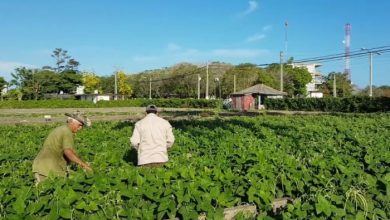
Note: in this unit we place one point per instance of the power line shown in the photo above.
(326, 58)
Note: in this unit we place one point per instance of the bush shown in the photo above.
(167, 103)
(350, 104)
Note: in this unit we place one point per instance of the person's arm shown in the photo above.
(72, 156)
(135, 138)
(170, 137)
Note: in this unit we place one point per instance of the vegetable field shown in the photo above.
(333, 167)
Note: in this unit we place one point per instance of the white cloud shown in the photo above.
(7, 67)
(267, 27)
(255, 37)
(252, 7)
(173, 47)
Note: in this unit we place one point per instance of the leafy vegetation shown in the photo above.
(333, 167)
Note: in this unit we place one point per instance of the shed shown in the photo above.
(94, 97)
(253, 97)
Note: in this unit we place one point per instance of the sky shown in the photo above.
(134, 36)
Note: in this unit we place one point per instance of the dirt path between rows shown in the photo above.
(54, 115)
(48, 115)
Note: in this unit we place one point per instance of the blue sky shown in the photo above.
(142, 35)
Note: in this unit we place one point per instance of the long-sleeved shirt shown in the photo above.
(152, 136)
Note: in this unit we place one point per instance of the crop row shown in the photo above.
(331, 166)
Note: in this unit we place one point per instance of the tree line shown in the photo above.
(184, 80)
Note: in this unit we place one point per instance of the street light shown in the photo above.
(219, 87)
(150, 84)
(370, 63)
(199, 86)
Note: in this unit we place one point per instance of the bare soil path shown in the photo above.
(52, 115)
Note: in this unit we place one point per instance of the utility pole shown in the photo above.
(370, 63)
(334, 86)
(281, 71)
(234, 83)
(370, 94)
(199, 86)
(150, 87)
(207, 80)
(217, 87)
(116, 86)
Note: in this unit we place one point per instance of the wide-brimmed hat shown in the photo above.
(151, 108)
(83, 119)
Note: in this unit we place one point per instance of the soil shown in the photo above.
(54, 115)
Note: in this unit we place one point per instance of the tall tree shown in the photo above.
(245, 75)
(343, 85)
(45, 81)
(3, 83)
(296, 80)
(64, 62)
(124, 87)
(91, 82)
(69, 81)
(23, 79)
(107, 84)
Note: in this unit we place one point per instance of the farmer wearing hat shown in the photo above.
(58, 149)
(152, 136)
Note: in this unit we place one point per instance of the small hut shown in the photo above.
(253, 97)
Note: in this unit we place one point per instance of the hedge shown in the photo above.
(168, 103)
(350, 104)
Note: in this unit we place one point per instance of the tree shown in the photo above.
(34, 83)
(45, 81)
(343, 85)
(69, 81)
(91, 82)
(381, 91)
(180, 81)
(267, 78)
(3, 84)
(273, 70)
(64, 62)
(296, 80)
(246, 76)
(107, 84)
(24, 81)
(124, 87)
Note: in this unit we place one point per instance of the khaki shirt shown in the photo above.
(152, 136)
(51, 157)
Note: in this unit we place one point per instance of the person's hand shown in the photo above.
(87, 167)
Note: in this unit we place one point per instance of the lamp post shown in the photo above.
(281, 71)
(216, 87)
(199, 86)
(115, 86)
(370, 63)
(207, 81)
(150, 87)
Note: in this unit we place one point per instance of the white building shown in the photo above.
(80, 90)
(316, 79)
(4, 90)
(95, 97)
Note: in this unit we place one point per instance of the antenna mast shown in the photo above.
(347, 70)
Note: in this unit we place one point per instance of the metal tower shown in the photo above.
(347, 70)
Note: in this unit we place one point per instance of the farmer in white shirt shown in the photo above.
(152, 136)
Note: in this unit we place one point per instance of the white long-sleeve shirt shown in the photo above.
(152, 136)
